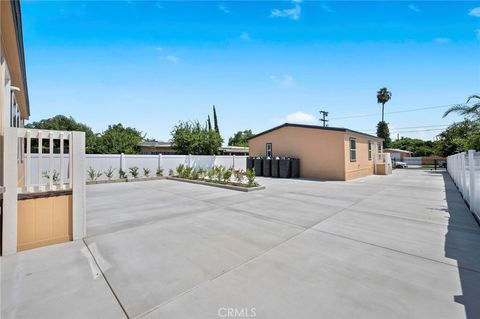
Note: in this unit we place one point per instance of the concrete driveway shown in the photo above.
(394, 246)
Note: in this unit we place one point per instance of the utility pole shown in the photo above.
(324, 117)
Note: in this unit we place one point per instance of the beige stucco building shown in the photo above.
(324, 152)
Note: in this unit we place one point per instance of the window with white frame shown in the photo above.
(353, 149)
(269, 150)
(369, 150)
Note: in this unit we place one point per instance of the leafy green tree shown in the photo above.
(384, 132)
(67, 123)
(215, 120)
(383, 96)
(191, 138)
(416, 146)
(470, 112)
(240, 138)
(459, 137)
(118, 139)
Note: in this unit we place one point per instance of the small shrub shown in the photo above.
(159, 172)
(187, 172)
(55, 176)
(238, 175)
(122, 174)
(180, 168)
(133, 171)
(195, 173)
(93, 174)
(109, 173)
(227, 174)
(219, 173)
(251, 177)
(146, 172)
(211, 173)
(201, 173)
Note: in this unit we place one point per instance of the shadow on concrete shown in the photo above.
(463, 245)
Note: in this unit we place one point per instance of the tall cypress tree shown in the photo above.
(215, 121)
(209, 123)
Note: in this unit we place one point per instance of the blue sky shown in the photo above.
(149, 64)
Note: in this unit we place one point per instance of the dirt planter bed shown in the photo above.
(226, 186)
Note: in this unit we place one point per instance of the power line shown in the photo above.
(420, 130)
(397, 112)
(410, 127)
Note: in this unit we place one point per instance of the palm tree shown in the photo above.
(465, 110)
(383, 96)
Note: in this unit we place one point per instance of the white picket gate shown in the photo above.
(23, 174)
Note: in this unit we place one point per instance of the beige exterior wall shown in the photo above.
(323, 154)
(363, 165)
(44, 221)
(10, 60)
(320, 152)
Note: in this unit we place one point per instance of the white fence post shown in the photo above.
(77, 156)
(122, 162)
(159, 161)
(471, 167)
(10, 175)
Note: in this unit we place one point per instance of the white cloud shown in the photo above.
(326, 8)
(223, 8)
(293, 13)
(297, 1)
(475, 12)
(414, 8)
(284, 81)
(300, 117)
(171, 58)
(442, 40)
(245, 36)
(159, 49)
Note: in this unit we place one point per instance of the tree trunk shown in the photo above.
(383, 105)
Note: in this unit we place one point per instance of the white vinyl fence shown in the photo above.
(464, 168)
(102, 162)
(412, 160)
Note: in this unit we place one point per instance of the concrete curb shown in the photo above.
(231, 187)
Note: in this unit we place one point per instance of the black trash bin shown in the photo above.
(249, 162)
(284, 168)
(258, 166)
(274, 167)
(295, 167)
(267, 164)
